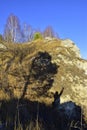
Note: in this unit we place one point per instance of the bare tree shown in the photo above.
(12, 31)
(27, 33)
(49, 32)
(1, 37)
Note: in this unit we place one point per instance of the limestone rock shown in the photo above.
(69, 44)
(2, 46)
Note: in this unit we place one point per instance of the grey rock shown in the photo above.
(2, 46)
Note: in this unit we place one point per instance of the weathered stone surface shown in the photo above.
(69, 44)
(2, 46)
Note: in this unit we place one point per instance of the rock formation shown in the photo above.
(15, 63)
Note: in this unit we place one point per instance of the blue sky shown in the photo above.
(67, 17)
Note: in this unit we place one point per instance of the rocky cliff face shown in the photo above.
(15, 61)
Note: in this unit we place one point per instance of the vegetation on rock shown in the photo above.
(35, 71)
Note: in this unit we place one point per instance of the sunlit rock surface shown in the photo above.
(72, 72)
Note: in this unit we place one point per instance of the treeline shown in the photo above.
(15, 32)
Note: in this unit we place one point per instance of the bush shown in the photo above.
(37, 36)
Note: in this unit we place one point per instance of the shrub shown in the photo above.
(37, 35)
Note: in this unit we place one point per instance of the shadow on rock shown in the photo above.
(31, 114)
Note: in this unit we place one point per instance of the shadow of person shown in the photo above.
(57, 95)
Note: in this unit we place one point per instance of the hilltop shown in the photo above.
(16, 60)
